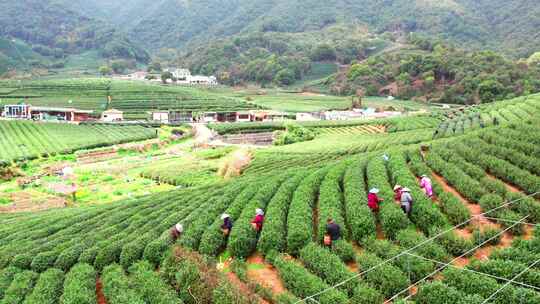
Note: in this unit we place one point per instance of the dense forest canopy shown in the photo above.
(54, 31)
(276, 42)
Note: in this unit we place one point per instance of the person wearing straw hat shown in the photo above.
(425, 183)
(258, 221)
(406, 201)
(227, 224)
(374, 200)
(176, 231)
(397, 193)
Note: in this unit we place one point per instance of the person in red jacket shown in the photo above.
(374, 200)
(258, 221)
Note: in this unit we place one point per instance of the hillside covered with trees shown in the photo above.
(53, 31)
(439, 72)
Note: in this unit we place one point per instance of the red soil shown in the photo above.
(99, 292)
(475, 209)
(483, 253)
(380, 233)
(529, 232)
(265, 274)
(353, 267)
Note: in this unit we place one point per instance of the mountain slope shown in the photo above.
(494, 24)
(55, 31)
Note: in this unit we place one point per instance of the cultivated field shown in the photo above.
(476, 240)
(133, 97)
(28, 140)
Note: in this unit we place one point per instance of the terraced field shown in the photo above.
(28, 140)
(477, 240)
(99, 94)
(352, 130)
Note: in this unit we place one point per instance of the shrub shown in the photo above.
(452, 242)
(88, 255)
(293, 133)
(508, 270)
(344, 250)
(225, 293)
(304, 284)
(116, 287)
(48, 288)
(363, 294)
(80, 285)
(328, 266)
(243, 238)
(43, 261)
(388, 278)
(488, 233)
(20, 287)
(149, 285)
(273, 234)
(69, 257)
(414, 267)
(6, 277)
(213, 239)
(108, 255)
(331, 200)
(359, 216)
(439, 293)
(411, 238)
(22, 261)
(155, 249)
(455, 210)
(300, 217)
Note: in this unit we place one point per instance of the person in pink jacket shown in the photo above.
(425, 183)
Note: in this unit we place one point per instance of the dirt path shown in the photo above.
(509, 187)
(379, 231)
(264, 274)
(315, 232)
(475, 209)
(99, 292)
(23, 202)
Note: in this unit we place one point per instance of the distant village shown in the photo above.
(73, 115)
(179, 77)
(26, 111)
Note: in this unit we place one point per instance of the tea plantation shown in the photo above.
(477, 240)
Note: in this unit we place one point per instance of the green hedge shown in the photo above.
(150, 286)
(328, 266)
(303, 284)
(300, 217)
(80, 285)
(116, 286)
(48, 289)
(20, 287)
(273, 236)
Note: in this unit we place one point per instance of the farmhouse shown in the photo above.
(172, 116)
(112, 115)
(179, 74)
(59, 114)
(25, 111)
(20, 111)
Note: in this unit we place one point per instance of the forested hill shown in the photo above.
(53, 30)
(507, 26)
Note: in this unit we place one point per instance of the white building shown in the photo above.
(179, 74)
(161, 116)
(307, 117)
(202, 80)
(112, 115)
